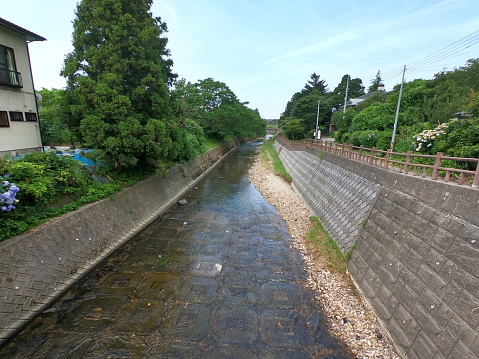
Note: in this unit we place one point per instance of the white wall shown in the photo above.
(20, 136)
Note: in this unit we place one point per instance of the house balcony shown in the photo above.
(10, 78)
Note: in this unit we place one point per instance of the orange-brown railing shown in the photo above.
(399, 162)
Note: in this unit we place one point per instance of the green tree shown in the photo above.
(293, 128)
(214, 100)
(290, 106)
(214, 94)
(450, 92)
(214, 107)
(119, 73)
(461, 139)
(377, 97)
(343, 121)
(235, 120)
(356, 89)
(473, 104)
(375, 83)
(315, 84)
(53, 121)
(378, 117)
(303, 107)
(186, 101)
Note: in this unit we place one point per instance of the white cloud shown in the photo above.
(330, 44)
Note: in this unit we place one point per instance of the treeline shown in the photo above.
(424, 125)
(123, 99)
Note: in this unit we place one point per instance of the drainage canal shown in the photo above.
(215, 278)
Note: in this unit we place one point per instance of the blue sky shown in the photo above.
(266, 50)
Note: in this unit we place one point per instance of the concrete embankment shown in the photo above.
(414, 243)
(39, 265)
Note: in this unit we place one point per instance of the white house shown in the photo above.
(19, 127)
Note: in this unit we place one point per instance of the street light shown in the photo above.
(317, 134)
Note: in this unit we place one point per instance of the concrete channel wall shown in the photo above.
(38, 266)
(415, 247)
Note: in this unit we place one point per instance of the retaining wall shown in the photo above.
(416, 253)
(38, 266)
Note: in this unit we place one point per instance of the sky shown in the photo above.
(266, 50)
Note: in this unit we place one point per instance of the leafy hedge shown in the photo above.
(45, 180)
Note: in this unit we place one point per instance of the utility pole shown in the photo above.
(346, 97)
(316, 134)
(397, 110)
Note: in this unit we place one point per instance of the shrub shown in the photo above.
(384, 140)
(367, 139)
(8, 193)
(43, 177)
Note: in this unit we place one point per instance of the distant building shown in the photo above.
(19, 127)
(356, 101)
(352, 102)
(462, 115)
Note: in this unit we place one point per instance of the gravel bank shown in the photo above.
(348, 316)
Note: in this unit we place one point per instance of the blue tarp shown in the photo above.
(77, 154)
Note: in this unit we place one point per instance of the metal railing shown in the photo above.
(10, 78)
(400, 162)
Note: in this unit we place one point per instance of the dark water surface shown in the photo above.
(215, 278)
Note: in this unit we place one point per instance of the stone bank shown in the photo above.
(414, 247)
(36, 267)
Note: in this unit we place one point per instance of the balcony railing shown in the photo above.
(10, 78)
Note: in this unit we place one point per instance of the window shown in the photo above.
(16, 116)
(4, 119)
(31, 116)
(8, 69)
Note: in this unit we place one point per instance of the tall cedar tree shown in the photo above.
(315, 83)
(118, 77)
(356, 89)
(375, 83)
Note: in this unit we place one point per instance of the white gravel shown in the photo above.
(348, 316)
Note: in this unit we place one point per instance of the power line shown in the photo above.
(459, 45)
(447, 52)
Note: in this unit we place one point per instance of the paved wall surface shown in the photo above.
(37, 266)
(416, 258)
(341, 199)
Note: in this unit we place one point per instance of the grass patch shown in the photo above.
(209, 143)
(163, 262)
(325, 248)
(272, 161)
(365, 221)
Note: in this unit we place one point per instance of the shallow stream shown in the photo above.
(215, 278)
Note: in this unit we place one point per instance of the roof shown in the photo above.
(355, 101)
(371, 93)
(30, 36)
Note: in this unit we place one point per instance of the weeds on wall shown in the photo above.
(272, 160)
(325, 248)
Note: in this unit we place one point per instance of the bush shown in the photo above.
(367, 139)
(376, 117)
(42, 179)
(384, 140)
